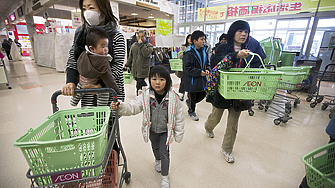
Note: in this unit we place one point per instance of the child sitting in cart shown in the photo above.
(163, 117)
(94, 66)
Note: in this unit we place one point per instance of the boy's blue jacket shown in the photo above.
(192, 67)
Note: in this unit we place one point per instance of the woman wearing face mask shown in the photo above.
(96, 13)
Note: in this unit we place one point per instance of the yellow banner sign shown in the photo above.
(163, 26)
(212, 13)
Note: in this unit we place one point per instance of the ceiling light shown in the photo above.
(134, 14)
(151, 17)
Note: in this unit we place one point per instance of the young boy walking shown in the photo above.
(196, 67)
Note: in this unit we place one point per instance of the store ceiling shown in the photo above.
(62, 10)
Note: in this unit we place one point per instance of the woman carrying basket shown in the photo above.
(228, 55)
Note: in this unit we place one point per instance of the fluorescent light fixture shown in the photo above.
(134, 14)
(151, 17)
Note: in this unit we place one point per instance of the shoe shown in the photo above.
(165, 182)
(229, 157)
(210, 134)
(193, 116)
(158, 166)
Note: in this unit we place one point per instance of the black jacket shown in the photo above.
(6, 46)
(192, 67)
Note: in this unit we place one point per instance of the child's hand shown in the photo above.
(203, 73)
(114, 105)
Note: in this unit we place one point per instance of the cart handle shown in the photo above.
(95, 90)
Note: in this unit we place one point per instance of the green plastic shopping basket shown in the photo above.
(68, 139)
(249, 83)
(291, 79)
(320, 167)
(127, 77)
(176, 64)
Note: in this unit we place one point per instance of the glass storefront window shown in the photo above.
(330, 22)
(264, 24)
(298, 23)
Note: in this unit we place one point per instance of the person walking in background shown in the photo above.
(179, 74)
(6, 46)
(195, 69)
(222, 40)
(96, 13)
(229, 55)
(93, 66)
(163, 118)
(139, 60)
(15, 50)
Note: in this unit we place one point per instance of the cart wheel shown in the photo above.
(9, 87)
(324, 105)
(320, 99)
(277, 121)
(288, 111)
(289, 91)
(309, 99)
(260, 107)
(251, 112)
(127, 176)
(312, 105)
(266, 108)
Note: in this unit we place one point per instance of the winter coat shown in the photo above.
(6, 46)
(139, 59)
(192, 67)
(94, 66)
(116, 47)
(175, 125)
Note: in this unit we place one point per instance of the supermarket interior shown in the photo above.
(287, 119)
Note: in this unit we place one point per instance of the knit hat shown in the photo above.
(237, 25)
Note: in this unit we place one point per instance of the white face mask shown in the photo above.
(92, 17)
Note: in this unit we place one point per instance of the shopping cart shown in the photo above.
(320, 167)
(74, 148)
(323, 76)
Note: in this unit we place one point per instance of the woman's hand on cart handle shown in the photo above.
(242, 53)
(68, 89)
(114, 105)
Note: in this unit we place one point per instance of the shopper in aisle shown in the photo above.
(93, 66)
(179, 74)
(233, 51)
(330, 130)
(139, 60)
(163, 118)
(195, 69)
(222, 40)
(15, 51)
(6, 46)
(96, 13)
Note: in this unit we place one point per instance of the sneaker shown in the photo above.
(165, 182)
(210, 134)
(193, 116)
(229, 157)
(158, 166)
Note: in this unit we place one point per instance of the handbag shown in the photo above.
(241, 105)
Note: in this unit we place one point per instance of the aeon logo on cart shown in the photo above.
(253, 83)
(66, 177)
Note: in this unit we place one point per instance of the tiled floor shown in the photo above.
(266, 155)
